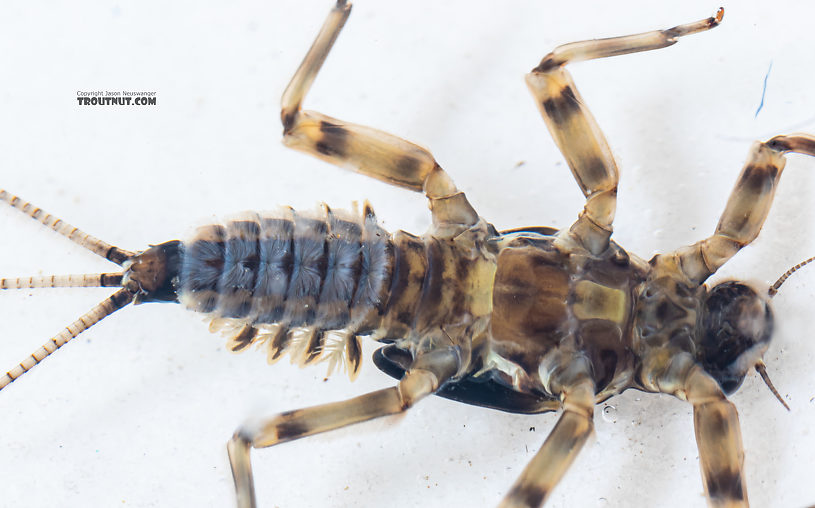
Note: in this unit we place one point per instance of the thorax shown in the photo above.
(551, 297)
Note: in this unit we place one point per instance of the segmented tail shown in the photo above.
(76, 235)
(107, 307)
(114, 302)
(85, 280)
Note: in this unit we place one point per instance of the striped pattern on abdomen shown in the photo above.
(330, 272)
(310, 283)
(290, 279)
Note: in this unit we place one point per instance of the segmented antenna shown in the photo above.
(762, 371)
(774, 288)
(107, 307)
(76, 235)
(114, 302)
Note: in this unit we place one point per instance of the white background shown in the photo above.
(137, 411)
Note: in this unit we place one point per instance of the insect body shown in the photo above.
(525, 320)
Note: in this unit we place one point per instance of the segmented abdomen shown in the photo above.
(311, 283)
(296, 269)
(308, 273)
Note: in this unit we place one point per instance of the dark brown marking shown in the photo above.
(608, 360)
(368, 212)
(717, 424)
(592, 170)
(290, 428)
(462, 268)
(530, 309)
(603, 342)
(399, 277)
(119, 299)
(244, 338)
(682, 291)
(116, 255)
(621, 258)
(279, 342)
(669, 312)
(758, 179)
(405, 317)
(315, 346)
(408, 168)
(725, 485)
(561, 107)
(353, 351)
(109, 280)
(754, 179)
(334, 140)
(528, 495)
(410, 265)
(548, 63)
(430, 301)
(682, 340)
(288, 120)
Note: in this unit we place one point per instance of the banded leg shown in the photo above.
(746, 209)
(716, 422)
(560, 449)
(368, 151)
(425, 377)
(575, 130)
(718, 437)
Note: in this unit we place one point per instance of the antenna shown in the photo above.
(774, 288)
(762, 371)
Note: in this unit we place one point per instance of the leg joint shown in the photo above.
(242, 436)
(415, 386)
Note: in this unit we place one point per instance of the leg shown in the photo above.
(746, 209)
(428, 373)
(716, 421)
(576, 132)
(718, 437)
(368, 151)
(561, 447)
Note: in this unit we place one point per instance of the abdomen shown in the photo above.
(323, 270)
(330, 272)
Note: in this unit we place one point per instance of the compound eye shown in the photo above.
(736, 329)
